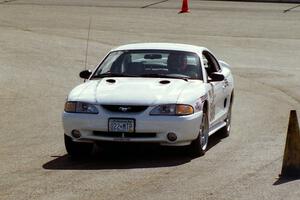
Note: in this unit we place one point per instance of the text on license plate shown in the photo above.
(121, 125)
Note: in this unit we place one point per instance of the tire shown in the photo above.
(225, 131)
(76, 149)
(199, 145)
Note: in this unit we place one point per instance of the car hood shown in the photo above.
(130, 91)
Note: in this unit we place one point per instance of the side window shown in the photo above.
(210, 63)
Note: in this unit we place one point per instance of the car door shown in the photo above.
(217, 88)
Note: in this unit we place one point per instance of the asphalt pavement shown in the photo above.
(42, 50)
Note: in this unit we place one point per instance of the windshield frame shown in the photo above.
(95, 75)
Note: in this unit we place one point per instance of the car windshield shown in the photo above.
(150, 63)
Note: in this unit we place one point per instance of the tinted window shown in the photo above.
(139, 63)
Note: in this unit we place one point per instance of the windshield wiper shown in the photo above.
(112, 75)
(177, 76)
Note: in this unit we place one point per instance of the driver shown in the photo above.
(177, 64)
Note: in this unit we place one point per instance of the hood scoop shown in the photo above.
(111, 80)
(164, 82)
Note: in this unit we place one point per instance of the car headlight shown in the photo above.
(80, 107)
(172, 109)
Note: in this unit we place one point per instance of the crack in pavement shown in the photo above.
(295, 99)
(292, 8)
(19, 28)
(152, 4)
(67, 5)
(7, 1)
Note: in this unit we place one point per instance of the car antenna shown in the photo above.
(87, 43)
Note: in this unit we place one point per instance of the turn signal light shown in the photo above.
(184, 109)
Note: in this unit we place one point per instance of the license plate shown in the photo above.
(121, 125)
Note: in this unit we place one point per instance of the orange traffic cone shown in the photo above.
(185, 6)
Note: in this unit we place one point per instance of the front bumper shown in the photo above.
(94, 127)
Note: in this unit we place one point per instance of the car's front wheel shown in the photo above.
(76, 149)
(199, 145)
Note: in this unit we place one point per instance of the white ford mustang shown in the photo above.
(171, 94)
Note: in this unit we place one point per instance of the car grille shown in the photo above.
(124, 135)
(124, 108)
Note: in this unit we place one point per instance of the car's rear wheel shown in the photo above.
(199, 145)
(76, 149)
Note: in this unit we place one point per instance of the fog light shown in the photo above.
(76, 134)
(172, 137)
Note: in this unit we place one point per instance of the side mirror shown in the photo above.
(85, 74)
(215, 77)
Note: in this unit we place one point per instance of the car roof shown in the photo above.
(161, 46)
